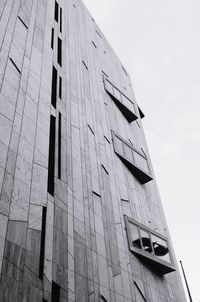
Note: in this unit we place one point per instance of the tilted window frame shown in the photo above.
(153, 261)
(136, 170)
(130, 114)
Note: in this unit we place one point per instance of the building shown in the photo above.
(80, 214)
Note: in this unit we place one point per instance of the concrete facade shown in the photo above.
(66, 188)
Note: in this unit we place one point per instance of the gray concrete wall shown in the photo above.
(71, 242)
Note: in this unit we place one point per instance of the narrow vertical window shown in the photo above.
(42, 244)
(51, 165)
(56, 11)
(59, 145)
(59, 51)
(60, 87)
(55, 292)
(54, 87)
(60, 19)
(52, 38)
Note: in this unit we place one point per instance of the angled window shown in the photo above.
(125, 105)
(149, 246)
(134, 159)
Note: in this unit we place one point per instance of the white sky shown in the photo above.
(158, 42)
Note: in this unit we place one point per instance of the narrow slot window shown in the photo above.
(51, 165)
(52, 38)
(42, 244)
(22, 22)
(59, 145)
(60, 19)
(59, 52)
(56, 11)
(55, 292)
(15, 65)
(60, 87)
(54, 87)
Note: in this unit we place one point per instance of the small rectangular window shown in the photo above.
(60, 87)
(60, 19)
(52, 38)
(42, 243)
(56, 11)
(54, 87)
(55, 293)
(59, 52)
(59, 145)
(51, 163)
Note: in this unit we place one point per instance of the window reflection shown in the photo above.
(119, 145)
(128, 152)
(150, 243)
(146, 242)
(135, 236)
(160, 248)
(117, 94)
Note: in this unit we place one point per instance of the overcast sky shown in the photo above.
(158, 42)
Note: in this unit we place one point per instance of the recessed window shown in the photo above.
(60, 87)
(51, 164)
(52, 38)
(54, 87)
(60, 19)
(150, 246)
(125, 105)
(55, 292)
(56, 11)
(42, 244)
(135, 160)
(59, 144)
(59, 51)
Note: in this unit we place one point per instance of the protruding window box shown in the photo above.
(135, 160)
(125, 105)
(151, 247)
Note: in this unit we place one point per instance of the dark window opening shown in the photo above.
(59, 52)
(105, 169)
(94, 44)
(90, 129)
(98, 34)
(60, 87)
(151, 247)
(139, 290)
(95, 193)
(22, 22)
(103, 299)
(126, 73)
(54, 87)
(52, 38)
(51, 164)
(59, 144)
(85, 65)
(60, 19)
(15, 65)
(55, 293)
(42, 244)
(56, 11)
